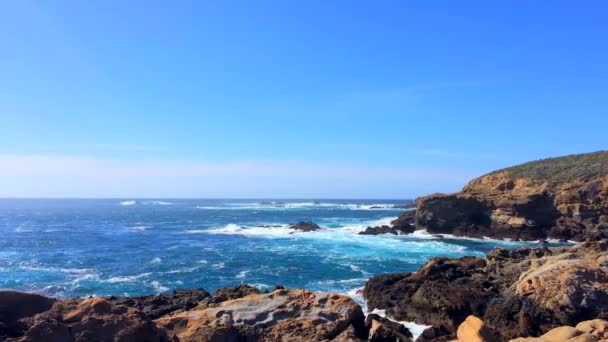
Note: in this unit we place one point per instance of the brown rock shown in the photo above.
(588, 331)
(92, 319)
(473, 330)
(564, 198)
(287, 315)
(15, 306)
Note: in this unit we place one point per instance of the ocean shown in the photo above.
(100, 247)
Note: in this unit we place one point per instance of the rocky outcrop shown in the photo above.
(515, 292)
(92, 319)
(404, 224)
(235, 314)
(288, 315)
(305, 226)
(588, 331)
(564, 198)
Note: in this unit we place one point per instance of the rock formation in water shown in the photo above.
(515, 292)
(404, 224)
(305, 226)
(564, 198)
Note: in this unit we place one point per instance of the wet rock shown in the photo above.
(385, 330)
(404, 224)
(305, 226)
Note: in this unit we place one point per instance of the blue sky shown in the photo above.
(391, 99)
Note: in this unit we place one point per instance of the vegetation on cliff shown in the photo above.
(561, 169)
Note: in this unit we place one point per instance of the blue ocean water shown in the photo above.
(72, 247)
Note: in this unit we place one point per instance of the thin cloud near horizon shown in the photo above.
(82, 176)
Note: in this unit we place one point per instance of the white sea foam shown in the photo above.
(242, 274)
(183, 270)
(158, 286)
(128, 202)
(157, 203)
(299, 205)
(156, 260)
(218, 266)
(414, 328)
(140, 228)
(126, 279)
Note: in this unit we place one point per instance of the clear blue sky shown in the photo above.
(292, 98)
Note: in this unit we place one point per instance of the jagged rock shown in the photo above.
(305, 226)
(564, 198)
(515, 292)
(474, 330)
(287, 315)
(162, 304)
(234, 293)
(385, 330)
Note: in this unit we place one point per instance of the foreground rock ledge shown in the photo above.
(236, 314)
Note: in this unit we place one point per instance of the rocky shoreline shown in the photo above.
(531, 294)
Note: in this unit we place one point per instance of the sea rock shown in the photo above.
(305, 226)
(587, 331)
(474, 330)
(162, 304)
(564, 198)
(515, 292)
(286, 315)
(404, 224)
(385, 330)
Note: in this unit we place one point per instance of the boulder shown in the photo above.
(474, 330)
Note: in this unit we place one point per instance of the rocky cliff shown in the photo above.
(564, 198)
